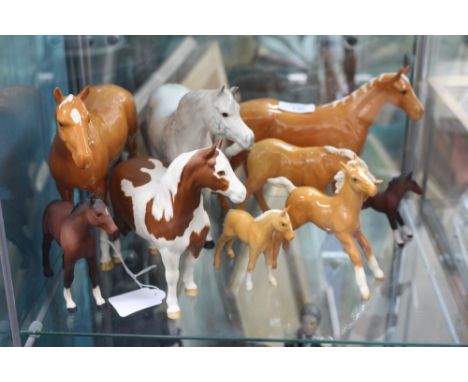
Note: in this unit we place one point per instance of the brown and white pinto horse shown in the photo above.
(92, 130)
(165, 207)
(343, 123)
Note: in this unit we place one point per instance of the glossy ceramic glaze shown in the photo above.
(164, 206)
(338, 214)
(389, 200)
(343, 123)
(257, 233)
(303, 166)
(92, 130)
(71, 227)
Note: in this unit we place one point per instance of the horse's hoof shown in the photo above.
(107, 266)
(192, 292)
(400, 243)
(153, 251)
(72, 310)
(365, 293)
(249, 286)
(273, 282)
(379, 275)
(48, 272)
(209, 244)
(216, 264)
(230, 254)
(173, 315)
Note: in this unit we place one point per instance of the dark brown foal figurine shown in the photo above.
(388, 201)
(71, 228)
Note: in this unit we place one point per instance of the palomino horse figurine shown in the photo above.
(165, 207)
(303, 166)
(258, 234)
(338, 214)
(92, 130)
(388, 202)
(71, 227)
(180, 120)
(343, 123)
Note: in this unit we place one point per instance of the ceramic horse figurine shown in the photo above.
(180, 120)
(338, 214)
(92, 130)
(165, 207)
(71, 228)
(389, 200)
(258, 234)
(303, 166)
(343, 123)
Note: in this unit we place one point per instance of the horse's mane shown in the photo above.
(265, 214)
(80, 204)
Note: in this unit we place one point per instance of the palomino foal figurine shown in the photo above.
(180, 120)
(303, 166)
(343, 123)
(258, 233)
(389, 200)
(92, 130)
(165, 207)
(338, 214)
(71, 227)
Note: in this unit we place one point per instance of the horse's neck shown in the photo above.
(192, 114)
(368, 102)
(350, 199)
(397, 191)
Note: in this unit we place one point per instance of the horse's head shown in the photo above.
(401, 93)
(99, 215)
(215, 172)
(73, 119)
(283, 224)
(358, 177)
(407, 183)
(226, 120)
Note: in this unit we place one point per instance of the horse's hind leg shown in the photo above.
(261, 200)
(371, 260)
(69, 275)
(191, 289)
(353, 252)
(396, 234)
(65, 192)
(94, 277)
(406, 230)
(219, 248)
(46, 244)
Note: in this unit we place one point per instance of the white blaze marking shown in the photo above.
(75, 116)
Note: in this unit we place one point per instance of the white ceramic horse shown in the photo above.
(180, 120)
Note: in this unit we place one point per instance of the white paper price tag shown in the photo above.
(134, 301)
(296, 107)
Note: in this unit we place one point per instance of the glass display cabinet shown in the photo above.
(423, 298)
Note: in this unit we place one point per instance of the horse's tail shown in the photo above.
(282, 182)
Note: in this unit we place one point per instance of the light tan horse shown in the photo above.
(258, 233)
(338, 214)
(303, 166)
(343, 123)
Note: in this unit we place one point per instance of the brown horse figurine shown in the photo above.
(303, 166)
(92, 130)
(338, 214)
(164, 206)
(71, 228)
(258, 234)
(343, 123)
(388, 201)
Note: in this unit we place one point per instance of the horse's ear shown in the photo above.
(84, 93)
(403, 70)
(285, 211)
(234, 90)
(410, 175)
(219, 144)
(58, 95)
(221, 90)
(211, 151)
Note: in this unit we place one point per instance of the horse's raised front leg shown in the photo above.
(371, 260)
(253, 256)
(406, 230)
(191, 289)
(94, 277)
(396, 234)
(68, 276)
(352, 250)
(171, 265)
